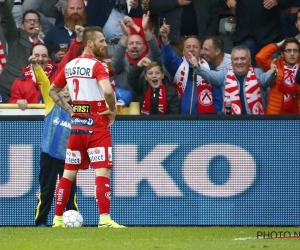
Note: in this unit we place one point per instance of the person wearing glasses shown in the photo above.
(284, 94)
(19, 42)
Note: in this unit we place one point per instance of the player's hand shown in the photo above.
(111, 116)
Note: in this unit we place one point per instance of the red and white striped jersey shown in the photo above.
(82, 75)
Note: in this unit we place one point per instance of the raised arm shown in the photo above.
(214, 77)
(8, 23)
(42, 79)
(117, 61)
(145, 25)
(169, 58)
(264, 56)
(134, 75)
(75, 49)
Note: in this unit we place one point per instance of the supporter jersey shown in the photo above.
(57, 122)
(82, 76)
(57, 128)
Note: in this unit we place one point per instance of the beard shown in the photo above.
(74, 19)
(100, 52)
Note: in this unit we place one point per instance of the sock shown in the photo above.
(103, 218)
(62, 195)
(103, 194)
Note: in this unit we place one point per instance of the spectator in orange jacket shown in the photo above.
(284, 94)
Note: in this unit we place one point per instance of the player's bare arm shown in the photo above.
(110, 99)
(58, 98)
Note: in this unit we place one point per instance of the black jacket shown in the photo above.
(19, 48)
(207, 13)
(139, 86)
(253, 19)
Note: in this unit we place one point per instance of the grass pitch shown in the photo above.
(208, 238)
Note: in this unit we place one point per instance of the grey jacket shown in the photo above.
(120, 63)
(19, 48)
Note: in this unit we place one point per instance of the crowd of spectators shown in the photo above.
(157, 48)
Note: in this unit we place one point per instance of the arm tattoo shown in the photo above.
(55, 94)
(63, 104)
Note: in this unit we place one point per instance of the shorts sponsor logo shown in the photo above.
(82, 121)
(97, 154)
(73, 157)
(82, 108)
